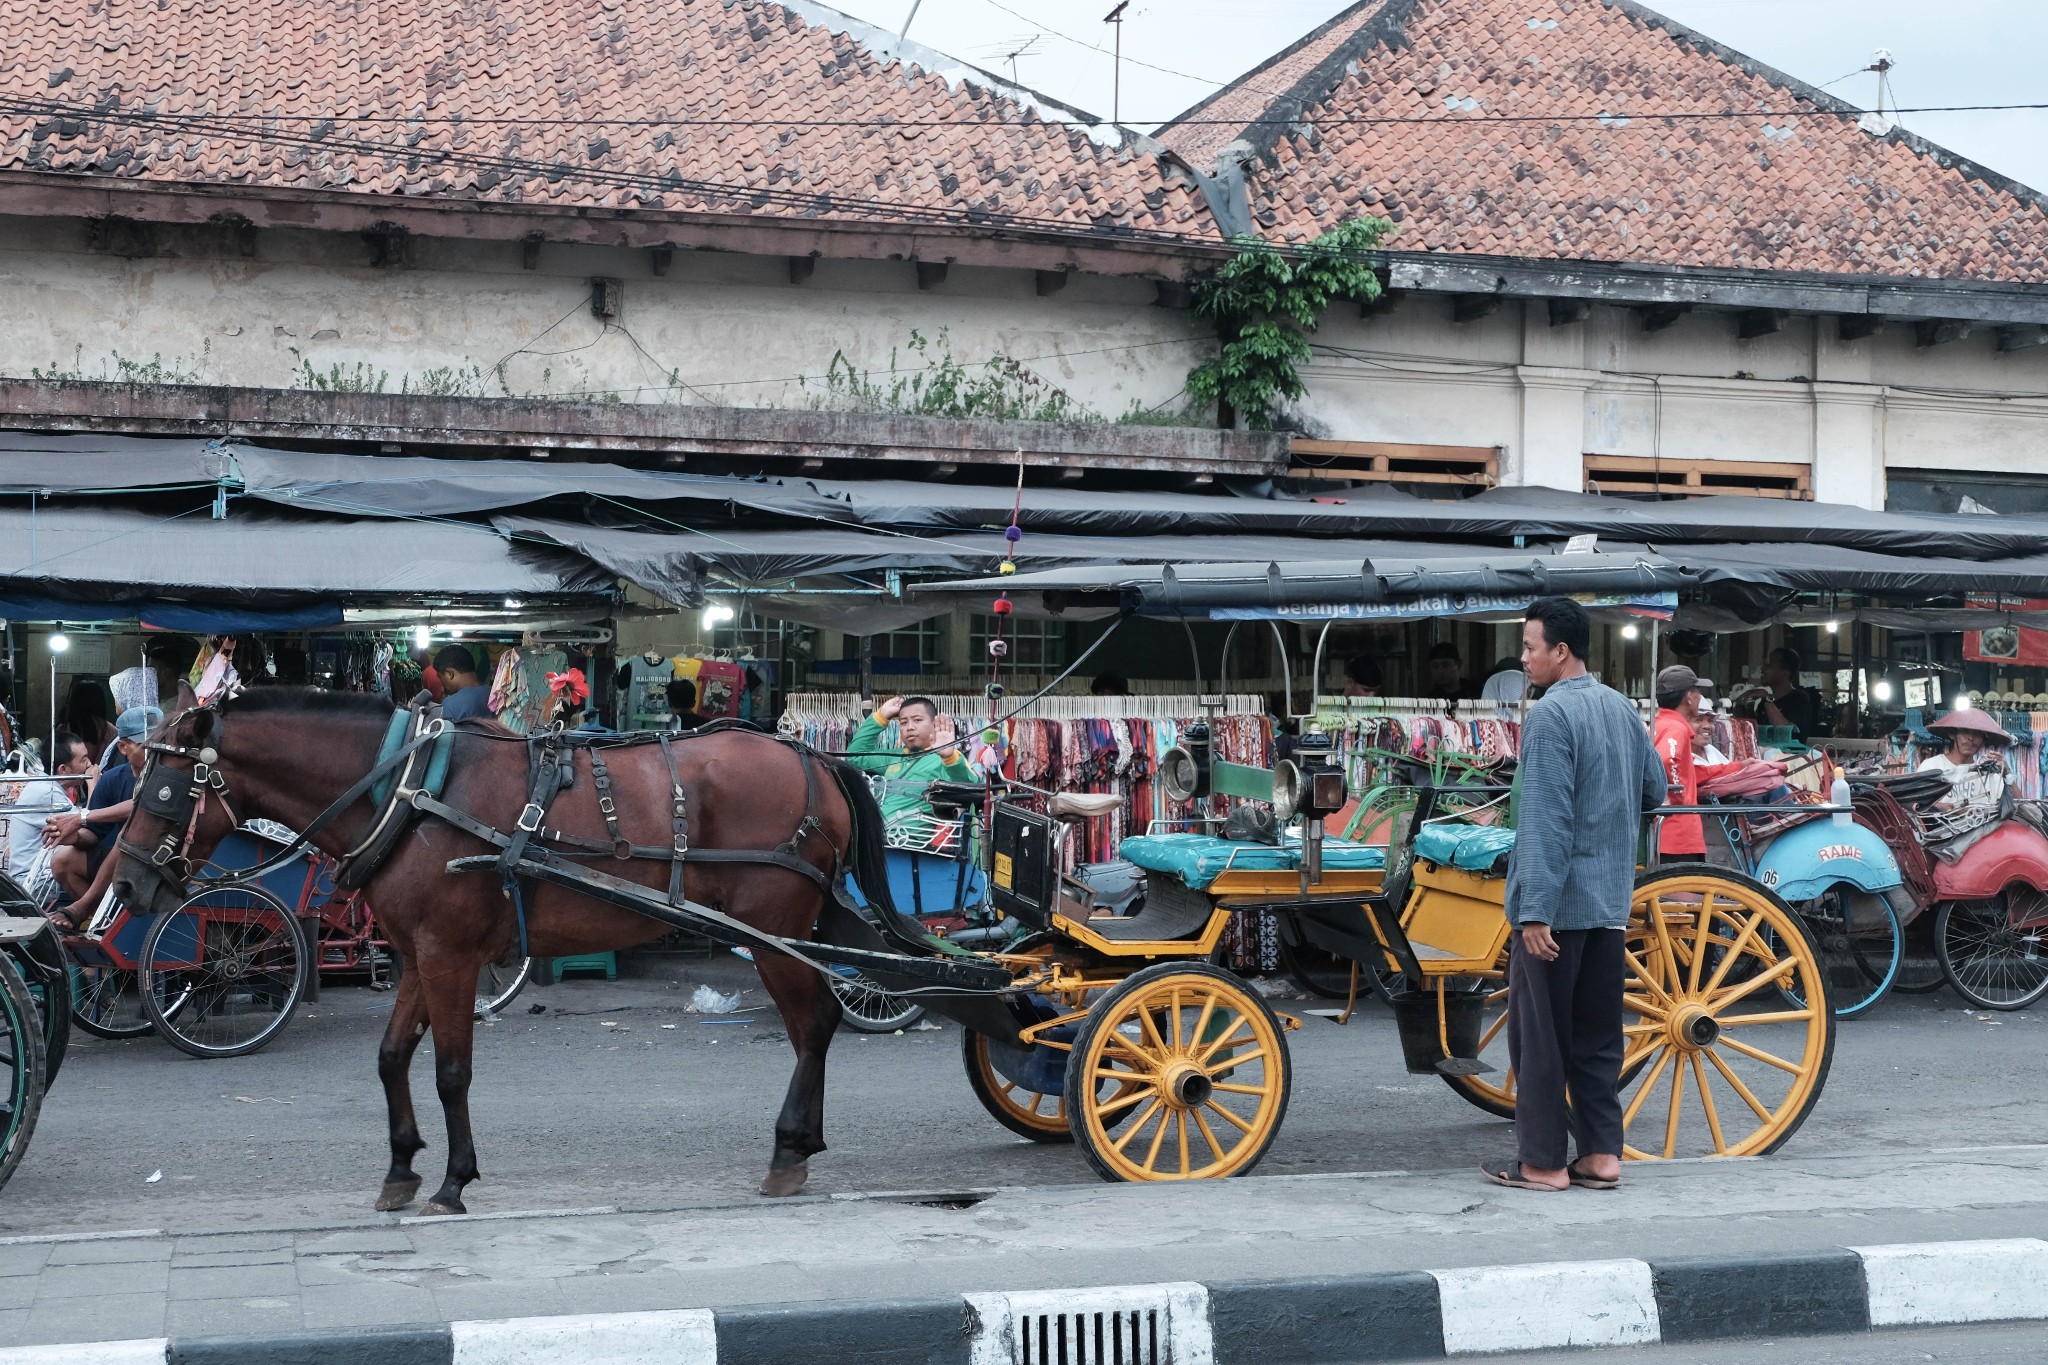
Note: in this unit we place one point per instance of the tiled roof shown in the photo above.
(1229, 113)
(443, 98)
(1813, 192)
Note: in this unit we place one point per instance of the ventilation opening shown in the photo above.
(1132, 1325)
(1634, 476)
(1393, 462)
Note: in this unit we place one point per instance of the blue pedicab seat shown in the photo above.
(931, 883)
(1199, 859)
(1473, 848)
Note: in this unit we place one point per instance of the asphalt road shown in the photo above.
(618, 1096)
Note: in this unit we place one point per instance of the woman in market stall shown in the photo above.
(1972, 763)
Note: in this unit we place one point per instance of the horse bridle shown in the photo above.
(180, 804)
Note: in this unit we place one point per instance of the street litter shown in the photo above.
(244, 1099)
(668, 1025)
(154, 1176)
(705, 1000)
(726, 1021)
(536, 1009)
(607, 1023)
(922, 1026)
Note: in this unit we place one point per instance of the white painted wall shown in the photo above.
(736, 332)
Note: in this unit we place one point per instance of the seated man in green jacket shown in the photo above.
(930, 754)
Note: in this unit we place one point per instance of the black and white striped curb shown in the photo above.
(1339, 1320)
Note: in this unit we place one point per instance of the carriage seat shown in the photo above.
(1475, 848)
(948, 799)
(1199, 859)
(1083, 805)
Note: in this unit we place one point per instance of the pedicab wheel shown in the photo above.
(1993, 963)
(1179, 1072)
(870, 1009)
(1720, 1059)
(1025, 1112)
(497, 985)
(43, 970)
(1861, 947)
(1920, 970)
(21, 1067)
(223, 973)
(107, 1002)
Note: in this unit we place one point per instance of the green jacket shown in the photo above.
(905, 775)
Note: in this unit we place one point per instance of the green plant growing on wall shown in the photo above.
(449, 381)
(1264, 303)
(116, 368)
(930, 381)
(338, 378)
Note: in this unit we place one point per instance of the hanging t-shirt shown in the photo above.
(720, 685)
(643, 692)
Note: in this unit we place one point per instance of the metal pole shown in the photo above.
(1116, 71)
(867, 669)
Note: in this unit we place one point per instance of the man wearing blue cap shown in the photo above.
(84, 841)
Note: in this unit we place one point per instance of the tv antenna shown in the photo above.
(1010, 49)
(1116, 69)
(1880, 64)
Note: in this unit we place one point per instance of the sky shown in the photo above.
(1176, 51)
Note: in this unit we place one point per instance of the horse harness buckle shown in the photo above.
(530, 818)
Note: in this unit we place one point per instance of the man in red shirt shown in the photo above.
(1680, 697)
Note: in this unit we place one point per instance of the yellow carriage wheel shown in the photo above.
(1029, 1113)
(1180, 1072)
(1721, 1057)
(1493, 1091)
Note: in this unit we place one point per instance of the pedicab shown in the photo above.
(1980, 870)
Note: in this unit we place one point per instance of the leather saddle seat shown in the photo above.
(1083, 805)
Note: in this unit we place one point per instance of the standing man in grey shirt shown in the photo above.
(1587, 775)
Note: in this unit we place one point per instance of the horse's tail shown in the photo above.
(867, 851)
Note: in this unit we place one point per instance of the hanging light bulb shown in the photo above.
(1834, 626)
(1881, 689)
(1629, 632)
(717, 614)
(420, 637)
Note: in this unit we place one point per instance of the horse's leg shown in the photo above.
(810, 1013)
(449, 982)
(394, 1061)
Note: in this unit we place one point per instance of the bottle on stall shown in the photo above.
(1838, 795)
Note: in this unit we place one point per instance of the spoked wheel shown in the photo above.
(1493, 1091)
(223, 973)
(21, 1067)
(43, 970)
(1860, 944)
(869, 1008)
(1920, 960)
(1026, 1112)
(1180, 1072)
(1720, 1060)
(496, 985)
(107, 1002)
(1993, 961)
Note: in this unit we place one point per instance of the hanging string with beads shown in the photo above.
(998, 643)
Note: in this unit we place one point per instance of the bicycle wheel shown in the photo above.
(870, 1009)
(1920, 962)
(41, 963)
(496, 985)
(223, 973)
(1992, 963)
(22, 1075)
(1860, 945)
(107, 1002)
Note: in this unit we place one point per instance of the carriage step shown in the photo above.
(1462, 1066)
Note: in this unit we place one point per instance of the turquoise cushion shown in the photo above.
(1473, 847)
(1198, 859)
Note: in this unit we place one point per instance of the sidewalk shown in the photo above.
(391, 1270)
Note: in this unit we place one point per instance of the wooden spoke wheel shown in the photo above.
(1180, 1072)
(1493, 1091)
(1024, 1111)
(1729, 1028)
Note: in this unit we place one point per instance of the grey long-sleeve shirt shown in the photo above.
(1588, 772)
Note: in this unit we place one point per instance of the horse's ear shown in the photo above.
(202, 726)
(187, 698)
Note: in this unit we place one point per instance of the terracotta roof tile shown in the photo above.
(1761, 192)
(262, 95)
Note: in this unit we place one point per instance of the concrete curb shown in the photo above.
(1338, 1320)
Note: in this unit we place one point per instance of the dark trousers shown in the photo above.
(1564, 1034)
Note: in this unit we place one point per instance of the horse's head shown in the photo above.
(181, 812)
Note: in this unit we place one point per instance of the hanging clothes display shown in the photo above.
(642, 682)
(720, 684)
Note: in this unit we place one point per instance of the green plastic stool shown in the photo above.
(608, 963)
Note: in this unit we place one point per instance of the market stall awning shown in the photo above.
(1365, 588)
(31, 463)
(115, 554)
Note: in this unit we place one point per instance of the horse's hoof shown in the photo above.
(786, 1180)
(397, 1194)
(435, 1208)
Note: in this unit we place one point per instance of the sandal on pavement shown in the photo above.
(1509, 1173)
(1587, 1180)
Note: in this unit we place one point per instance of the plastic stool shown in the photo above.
(608, 963)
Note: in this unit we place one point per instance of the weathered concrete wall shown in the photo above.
(722, 330)
(716, 329)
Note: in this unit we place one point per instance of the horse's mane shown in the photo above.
(307, 701)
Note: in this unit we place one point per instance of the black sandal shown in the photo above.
(1588, 1181)
(1509, 1173)
(64, 920)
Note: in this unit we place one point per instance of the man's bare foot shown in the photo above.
(1600, 1171)
(1516, 1176)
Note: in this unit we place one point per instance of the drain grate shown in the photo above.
(1150, 1324)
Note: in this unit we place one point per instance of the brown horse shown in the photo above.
(287, 753)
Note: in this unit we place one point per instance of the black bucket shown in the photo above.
(1415, 1014)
